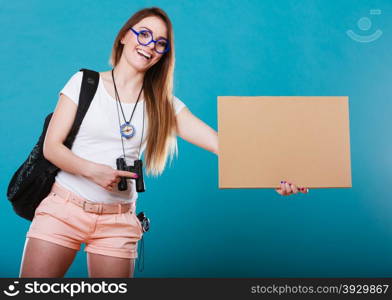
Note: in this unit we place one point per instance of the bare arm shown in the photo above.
(195, 131)
(58, 129)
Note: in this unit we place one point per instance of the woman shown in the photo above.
(85, 204)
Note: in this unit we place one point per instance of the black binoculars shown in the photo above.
(136, 168)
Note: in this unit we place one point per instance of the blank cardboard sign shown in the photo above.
(303, 140)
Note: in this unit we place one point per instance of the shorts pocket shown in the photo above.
(42, 204)
(53, 205)
(138, 223)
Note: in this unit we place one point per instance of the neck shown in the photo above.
(128, 77)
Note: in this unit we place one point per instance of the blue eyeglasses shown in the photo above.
(144, 37)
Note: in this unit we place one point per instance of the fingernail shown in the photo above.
(135, 176)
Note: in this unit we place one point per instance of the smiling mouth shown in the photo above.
(143, 54)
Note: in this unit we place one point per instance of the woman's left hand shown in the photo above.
(287, 188)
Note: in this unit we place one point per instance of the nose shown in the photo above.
(151, 46)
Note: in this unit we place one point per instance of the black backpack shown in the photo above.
(33, 181)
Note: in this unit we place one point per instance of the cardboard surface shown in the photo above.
(266, 139)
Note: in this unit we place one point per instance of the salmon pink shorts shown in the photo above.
(60, 221)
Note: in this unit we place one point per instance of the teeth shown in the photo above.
(145, 54)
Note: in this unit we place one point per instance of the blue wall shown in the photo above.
(223, 48)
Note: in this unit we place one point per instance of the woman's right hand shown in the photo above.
(105, 176)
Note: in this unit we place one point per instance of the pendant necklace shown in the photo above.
(127, 130)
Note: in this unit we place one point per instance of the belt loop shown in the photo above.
(119, 208)
(68, 195)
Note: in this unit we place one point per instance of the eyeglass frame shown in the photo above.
(152, 40)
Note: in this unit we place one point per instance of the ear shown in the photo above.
(122, 41)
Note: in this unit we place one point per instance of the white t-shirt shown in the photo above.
(99, 140)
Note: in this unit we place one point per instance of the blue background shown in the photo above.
(222, 48)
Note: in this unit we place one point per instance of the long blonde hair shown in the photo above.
(158, 86)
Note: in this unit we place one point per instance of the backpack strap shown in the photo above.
(87, 91)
